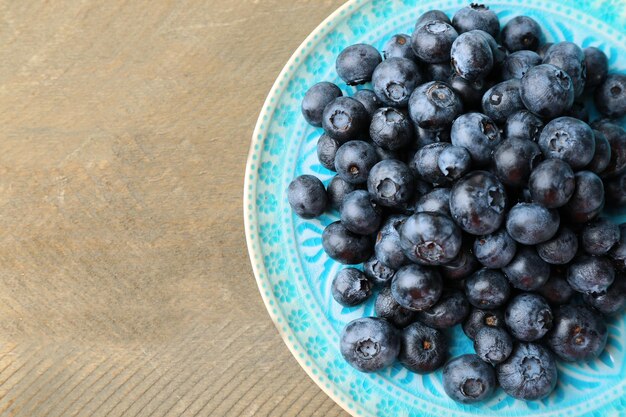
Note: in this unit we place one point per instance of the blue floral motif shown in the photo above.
(335, 370)
(275, 263)
(387, 408)
(315, 63)
(269, 173)
(316, 347)
(285, 291)
(274, 144)
(283, 115)
(382, 9)
(335, 42)
(359, 23)
(361, 391)
(297, 88)
(299, 320)
(270, 233)
(266, 202)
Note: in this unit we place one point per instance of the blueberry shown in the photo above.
(356, 63)
(416, 287)
(391, 128)
(316, 99)
(487, 288)
(460, 267)
(470, 92)
(479, 319)
(615, 189)
(454, 162)
(368, 99)
(351, 287)
(552, 183)
(560, 249)
(531, 223)
(597, 65)
(436, 201)
(556, 290)
(521, 32)
(518, 63)
(523, 125)
(495, 250)
(477, 203)
(338, 189)
(399, 46)
(478, 134)
(476, 16)
(618, 252)
(568, 139)
(599, 236)
(527, 271)
(377, 272)
(570, 58)
(432, 41)
(359, 214)
(344, 246)
(307, 196)
(391, 183)
(529, 373)
(602, 154)
(344, 118)
(547, 91)
(616, 135)
(611, 302)
(438, 72)
(434, 105)
(426, 137)
(354, 160)
(426, 163)
(432, 15)
(528, 317)
(395, 79)
(388, 308)
(467, 379)
(471, 56)
(451, 309)
(388, 249)
(588, 198)
(502, 100)
(430, 238)
(579, 333)
(610, 96)
(326, 151)
(493, 345)
(590, 274)
(423, 349)
(370, 344)
(514, 159)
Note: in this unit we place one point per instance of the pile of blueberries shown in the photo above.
(470, 186)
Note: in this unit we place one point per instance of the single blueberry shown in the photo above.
(523, 125)
(597, 65)
(610, 96)
(495, 250)
(599, 236)
(378, 273)
(416, 287)
(531, 223)
(479, 319)
(399, 46)
(471, 56)
(433, 40)
(434, 105)
(391, 183)
(547, 91)
(395, 79)
(588, 198)
(467, 379)
(350, 287)
(344, 246)
(528, 317)
(570, 58)
(487, 288)
(451, 309)
(344, 118)
(521, 32)
(430, 238)
(316, 99)
(556, 290)
(387, 248)
(527, 271)
(560, 249)
(529, 373)
(502, 100)
(454, 162)
(552, 183)
(369, 344)
(307, 196)
(568, 139)
(356, 63)
(388, 308)
(514, 160)
(359, 214)
(493, 345)
(579, 333)
(476, 16)
(354, 160)
(326, 151)
(423, 349)
(590, 274)
(368, 99)
(391, 128)
(478, 134)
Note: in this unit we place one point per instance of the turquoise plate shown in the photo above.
(293, 272)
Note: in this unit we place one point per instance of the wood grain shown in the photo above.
(125, 286)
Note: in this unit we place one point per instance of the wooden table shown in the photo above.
(125, 286)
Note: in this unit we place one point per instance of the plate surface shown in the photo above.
(293, 272)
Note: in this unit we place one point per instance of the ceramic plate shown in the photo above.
(293, 272)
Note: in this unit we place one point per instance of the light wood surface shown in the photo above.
(125, 286)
